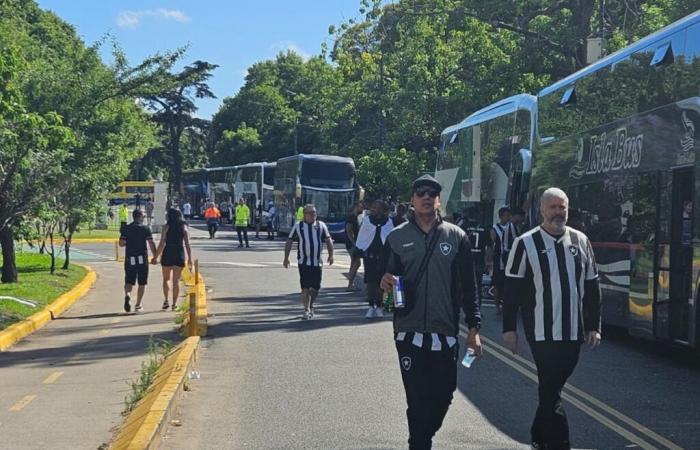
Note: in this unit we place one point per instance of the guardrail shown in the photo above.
(194, 321)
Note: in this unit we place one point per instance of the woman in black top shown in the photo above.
(171, 251)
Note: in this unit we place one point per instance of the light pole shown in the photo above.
(296, 125)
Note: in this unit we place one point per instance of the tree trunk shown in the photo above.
(66, 243)
(9, 264)
(53, 254)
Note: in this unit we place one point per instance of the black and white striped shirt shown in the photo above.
(310, 238)
(555, 282)
(505, 236)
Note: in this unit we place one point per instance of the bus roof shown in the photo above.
(333, 158)
(506, 106)
(257, 164)
(623, 53)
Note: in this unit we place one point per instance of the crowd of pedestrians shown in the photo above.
(546, 274)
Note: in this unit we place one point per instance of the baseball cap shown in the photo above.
(426, 180)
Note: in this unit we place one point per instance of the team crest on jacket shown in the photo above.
(445, 248)
(573, 249)
(406, 363)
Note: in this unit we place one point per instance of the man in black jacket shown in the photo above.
(435, 261)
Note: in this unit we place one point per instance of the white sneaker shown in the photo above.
(370, 313)
(311, 313)
(378, 312)
(305, 316)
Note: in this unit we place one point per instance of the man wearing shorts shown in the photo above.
(134, 237)
(310, 234)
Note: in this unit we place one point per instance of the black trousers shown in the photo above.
(243, 230)
(555, 363)
(429, 379)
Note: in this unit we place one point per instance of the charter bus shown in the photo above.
(195, 189)
(485, 159)
(213, 183)
(131, 192)
(255, 183)
(326, 181)
(620, 137)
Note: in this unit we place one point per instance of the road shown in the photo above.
(64, 386)
(270, 380)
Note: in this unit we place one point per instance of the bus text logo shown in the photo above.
(606, 154)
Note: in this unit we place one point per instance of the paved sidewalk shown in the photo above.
(64, 386)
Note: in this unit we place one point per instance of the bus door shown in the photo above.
(674, 256)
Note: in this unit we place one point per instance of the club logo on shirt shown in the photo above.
(573, 249)
(406, 363)
(445, 248)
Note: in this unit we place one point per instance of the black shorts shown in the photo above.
(136, 272)
(310, 277)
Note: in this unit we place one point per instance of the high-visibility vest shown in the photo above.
(123, 214)
(242, 215)
(300, 214)
(212, 213)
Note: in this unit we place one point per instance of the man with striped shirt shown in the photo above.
(502, 236)
(310, 235)
(435, 261)
(552, 279)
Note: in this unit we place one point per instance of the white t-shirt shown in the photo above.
(186, 209)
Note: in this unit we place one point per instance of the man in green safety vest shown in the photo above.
(300, 213)
(123, 217)
(242, 220)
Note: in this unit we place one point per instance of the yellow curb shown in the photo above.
(200, 290)
(94, 241)
(146, 423)
(10, 335)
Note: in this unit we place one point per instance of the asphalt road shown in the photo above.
(270, 380)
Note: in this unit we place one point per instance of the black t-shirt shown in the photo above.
(136, 235)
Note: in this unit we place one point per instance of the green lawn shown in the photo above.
(35, 284)
(84, 233)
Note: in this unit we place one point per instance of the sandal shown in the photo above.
(166, 305)
(174, 307)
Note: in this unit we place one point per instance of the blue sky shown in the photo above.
(234, 34)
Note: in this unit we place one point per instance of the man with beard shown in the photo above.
(551, 277)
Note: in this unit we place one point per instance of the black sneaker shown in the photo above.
(127, 304)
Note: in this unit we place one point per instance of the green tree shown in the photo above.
(174, 107)
(32, 149)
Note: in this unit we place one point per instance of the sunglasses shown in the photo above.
(420, 192)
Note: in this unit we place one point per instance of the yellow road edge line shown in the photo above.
(52, 378)
(10, 335)
(599, 403)
(592, 413)
(24, 401)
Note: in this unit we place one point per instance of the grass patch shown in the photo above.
(35, 284)
(158, 350)
(84, 233)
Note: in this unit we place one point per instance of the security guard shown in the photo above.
(435, 262)
(242, 221)
(551, 277)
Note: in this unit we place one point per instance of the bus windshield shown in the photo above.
(327, 174)
(331, 206)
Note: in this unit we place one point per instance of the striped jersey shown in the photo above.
(310, 238)
(554, 280)
(505, 236)
(428, 341)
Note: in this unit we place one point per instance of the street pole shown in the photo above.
(296, 136)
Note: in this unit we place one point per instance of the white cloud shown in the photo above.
(284, 46)
(132, 19)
